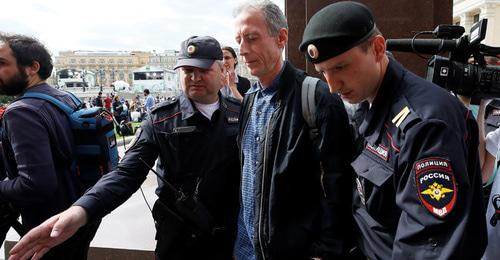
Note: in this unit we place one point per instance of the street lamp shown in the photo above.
(101, 76)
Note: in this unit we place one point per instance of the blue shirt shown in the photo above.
(149, 103)
(253, 138)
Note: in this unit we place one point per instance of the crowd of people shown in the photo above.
(129, 110)
(242, 173)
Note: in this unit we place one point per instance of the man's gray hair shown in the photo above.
(275, 18)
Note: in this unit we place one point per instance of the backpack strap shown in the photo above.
(309, 105)
(64, 107)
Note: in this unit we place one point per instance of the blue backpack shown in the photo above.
(96, 150)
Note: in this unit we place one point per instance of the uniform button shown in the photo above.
(259, 113)
(433, 242)
(257, 138)
(257, 163)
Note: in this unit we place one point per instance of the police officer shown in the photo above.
(418, 178)
(194, 139)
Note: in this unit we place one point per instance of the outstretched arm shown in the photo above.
(49, 234)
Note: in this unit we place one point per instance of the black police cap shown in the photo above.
(200, 52)
(336, 29)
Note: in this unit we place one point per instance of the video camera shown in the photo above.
(455, 72)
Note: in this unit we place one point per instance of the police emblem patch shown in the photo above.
(436, 185)
(312, 51)
(191, 49)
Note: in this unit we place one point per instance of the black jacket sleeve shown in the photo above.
(114, 188)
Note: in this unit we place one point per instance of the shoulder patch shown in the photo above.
(436, 185)
(404, 115)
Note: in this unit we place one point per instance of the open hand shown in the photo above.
(49, 234)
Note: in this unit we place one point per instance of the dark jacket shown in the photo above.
(190, 149)
(302, 190)
(37, 146)
(243, 85)
(419, 181)
(37, 150)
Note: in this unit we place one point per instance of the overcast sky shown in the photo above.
(119, 25)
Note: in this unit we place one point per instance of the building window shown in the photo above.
(120, 61)
(101, 61)
(83, 60)
(476, 18)
(111, 61)
(92, 60)
(73, 60)
(129, 61)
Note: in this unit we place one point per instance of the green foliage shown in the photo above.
(5, 100)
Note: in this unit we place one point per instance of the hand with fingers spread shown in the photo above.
(49, 234)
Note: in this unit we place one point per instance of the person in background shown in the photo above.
(489, 151)
(149, 102)
(236, 85)
(117, 109)
(98, 100)
(418, 187)
(108, 102)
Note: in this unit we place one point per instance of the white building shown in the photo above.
(468, 12)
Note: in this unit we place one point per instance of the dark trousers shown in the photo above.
(208, 249)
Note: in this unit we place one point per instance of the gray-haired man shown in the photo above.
(295, 198)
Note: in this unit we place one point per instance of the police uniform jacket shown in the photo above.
(302, 187)
(418, 176)
(178, 135)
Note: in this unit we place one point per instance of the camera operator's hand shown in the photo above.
(49, 234)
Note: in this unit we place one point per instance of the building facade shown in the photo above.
(108, 66)
(468, 12)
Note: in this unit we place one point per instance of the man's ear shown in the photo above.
(282, 38)
(32, 69)
(379, 47)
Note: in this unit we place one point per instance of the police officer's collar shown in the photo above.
(187, 108)
(375, 118)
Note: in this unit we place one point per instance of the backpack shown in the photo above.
(96, 150)
(309, 105)
(309, 108)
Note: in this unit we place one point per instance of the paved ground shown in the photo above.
(130, 226)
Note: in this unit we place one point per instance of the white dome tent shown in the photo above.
(121, 86)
